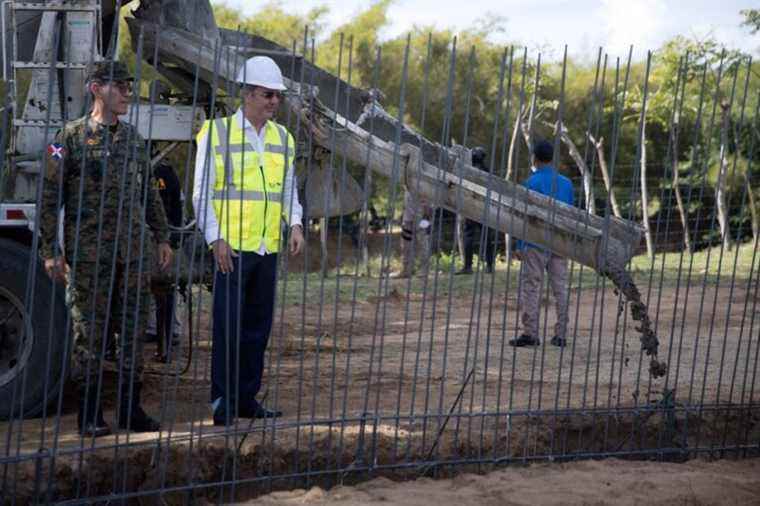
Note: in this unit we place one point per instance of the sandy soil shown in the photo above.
(371, 359)
(605, 482)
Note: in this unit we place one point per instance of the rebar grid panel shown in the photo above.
(415, 376)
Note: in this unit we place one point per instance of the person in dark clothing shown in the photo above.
(473, 230)
(163, 308)
(170, 191)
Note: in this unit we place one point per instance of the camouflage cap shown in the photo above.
(108, 70)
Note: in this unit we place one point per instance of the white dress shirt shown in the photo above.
(205, 179)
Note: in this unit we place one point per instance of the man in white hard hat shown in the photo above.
(244, 187)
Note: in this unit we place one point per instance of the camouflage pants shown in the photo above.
(534, 263)
(93, 319)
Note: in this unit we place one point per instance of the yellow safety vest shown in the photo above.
(248, 192)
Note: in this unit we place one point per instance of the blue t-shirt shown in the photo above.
(547, 181)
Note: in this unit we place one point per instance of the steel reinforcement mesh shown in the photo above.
(377, 373)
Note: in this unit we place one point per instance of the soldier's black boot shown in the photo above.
(90, 417)
(131, 414)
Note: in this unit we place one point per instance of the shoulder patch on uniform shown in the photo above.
(56, 151)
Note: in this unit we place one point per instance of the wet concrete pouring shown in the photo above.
(624, 283)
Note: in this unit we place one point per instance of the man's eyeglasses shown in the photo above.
(125, 87)
(264, 93)
(270, 94)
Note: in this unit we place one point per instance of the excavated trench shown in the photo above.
(179, 474)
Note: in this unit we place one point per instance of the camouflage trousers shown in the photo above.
(535, 262)
(94, 321)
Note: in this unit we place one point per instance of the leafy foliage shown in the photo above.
(751, 19)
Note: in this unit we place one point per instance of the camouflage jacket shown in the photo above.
(96, 173)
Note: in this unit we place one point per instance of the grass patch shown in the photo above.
(341, 285)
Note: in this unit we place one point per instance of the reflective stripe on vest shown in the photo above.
(235, 194)
(240, 148)
(221, 149)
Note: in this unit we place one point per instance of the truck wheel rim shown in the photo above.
(16, 337)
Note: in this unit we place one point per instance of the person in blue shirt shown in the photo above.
(536, 260)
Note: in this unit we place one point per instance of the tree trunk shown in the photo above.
(753, 211)
(677, 190)
(364, 226)
(510, 168)
(323, 243)
(605, 175)
(512, 142)
(720, 190)
(527, 127)
(644, 191)
(459, 235)
(588, 187)
(463, 157)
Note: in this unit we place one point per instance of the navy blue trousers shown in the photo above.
(244, 296)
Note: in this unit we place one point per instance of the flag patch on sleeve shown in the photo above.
(56, 151)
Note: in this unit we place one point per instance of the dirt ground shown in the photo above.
(377, 380)
(371, 359)
(602, 482)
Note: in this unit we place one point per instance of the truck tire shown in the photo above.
(32, 348)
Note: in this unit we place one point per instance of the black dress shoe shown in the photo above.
(221, 419)
(525, 340)
(262, 412)
(463, 270)
(259, 411)
(558, 341)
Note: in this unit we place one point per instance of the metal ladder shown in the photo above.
(67, 39)
(45, 91)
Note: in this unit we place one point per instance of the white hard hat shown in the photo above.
(261, 71)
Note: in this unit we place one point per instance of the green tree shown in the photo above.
(751, 19)
(273, 22)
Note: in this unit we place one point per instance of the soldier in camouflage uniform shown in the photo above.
(96, 170)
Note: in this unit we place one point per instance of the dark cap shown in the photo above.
(108, 70)
(543, 151)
